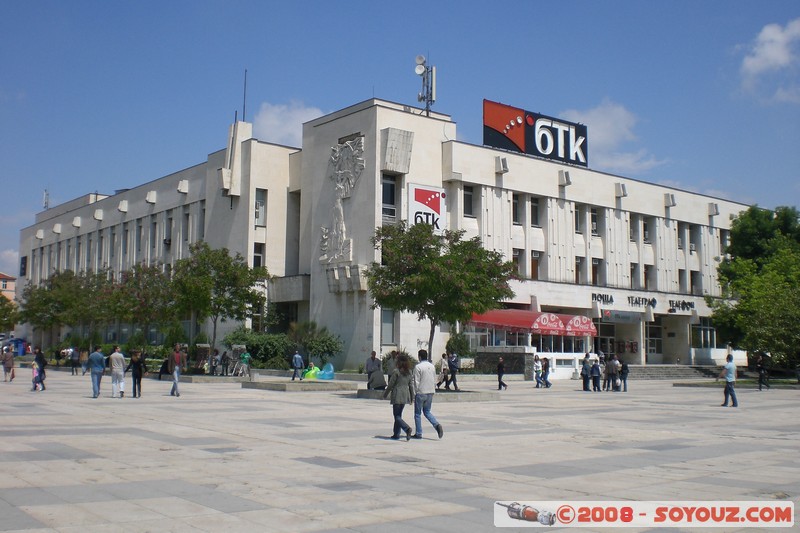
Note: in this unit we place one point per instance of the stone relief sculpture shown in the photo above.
(345, 167)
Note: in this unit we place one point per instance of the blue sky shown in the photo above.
(104, 95)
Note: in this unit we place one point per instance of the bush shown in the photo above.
(458, 343)
(277, 363)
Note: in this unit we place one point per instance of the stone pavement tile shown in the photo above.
(19, 496)
(174, 507)
(13, 518)
(63, 515)
(120, 511)
(281, 521)
(170, 525)
(100, 528)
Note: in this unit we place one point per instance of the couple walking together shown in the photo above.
(417, 385)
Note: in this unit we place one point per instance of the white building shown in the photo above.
(635, 257)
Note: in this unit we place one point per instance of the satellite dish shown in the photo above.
(420, 59)
(419, 69)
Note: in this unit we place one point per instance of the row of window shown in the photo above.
(135, 241)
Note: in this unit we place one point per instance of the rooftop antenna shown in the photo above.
(244, 99)
(428, 74)
(46, 200)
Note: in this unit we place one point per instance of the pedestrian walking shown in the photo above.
(176, 363)
(40, 363)
(137, 369)
(400, 393)
(763, 373)
(74, 356)
(84, 362)
(298, 365)
(501, 370)
(454, 365)
(537, 371)
(444, 371)
(96, 363)
(117, 363)
(546, 373)
(729, 373)
(8, 364)
(623, 376)
(424, 381)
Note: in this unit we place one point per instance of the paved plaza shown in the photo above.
(226, 459)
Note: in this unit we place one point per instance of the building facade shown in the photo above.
(635, 257)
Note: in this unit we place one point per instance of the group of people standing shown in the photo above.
(613, 372)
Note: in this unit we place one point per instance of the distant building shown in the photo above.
(8, 286)
(634, 258)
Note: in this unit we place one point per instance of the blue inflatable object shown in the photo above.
(326, 372)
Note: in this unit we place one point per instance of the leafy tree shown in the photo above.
(315, 341)
(760, 279)
(8, 314)
(147, 297)
(213, 284)
(440, 278)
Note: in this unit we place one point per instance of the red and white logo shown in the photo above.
(427, 206)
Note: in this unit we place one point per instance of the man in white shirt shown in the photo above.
(423, 382)
(117, 363)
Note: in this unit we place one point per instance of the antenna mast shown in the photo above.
(46, 200)
(428, 74)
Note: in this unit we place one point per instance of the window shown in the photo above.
(594, 217)
(261, 207)
(516, 215)
(469, 201)
(124, 247)
(185, 224)
(597, 271)
(703, 334)
(633, 228)
(389, 195)
(168, 229)
(258, 254)
(535, 264)
(515, 259)
(578, 266)
(535, 211)
(5, 284)
(139, 235)
(654, 342)
(387, 326)
(112, 243)
(696, 281)
(604, 341)
(683, 281)
(153, 231)
(646, 230)
(578, 218)
(201, 224)
(649, 277)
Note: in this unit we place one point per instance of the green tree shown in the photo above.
(760, 278)
(146, 298)
(215, 285)
(315, 341)
(441, 278)
(8, 314)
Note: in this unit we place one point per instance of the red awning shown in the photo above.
(578, 326)
(534, 322)
(519, 320)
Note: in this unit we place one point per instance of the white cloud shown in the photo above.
(283, 123)
(772, 60)
(611, 127)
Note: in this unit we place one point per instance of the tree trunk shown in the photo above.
(434, 323)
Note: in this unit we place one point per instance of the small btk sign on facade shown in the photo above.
(426, 205)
